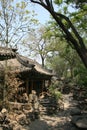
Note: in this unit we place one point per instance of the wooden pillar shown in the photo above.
(43, 85)
(31, 84)
(27, 86)
(49, 82)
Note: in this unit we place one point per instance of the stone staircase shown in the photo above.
(48, 105)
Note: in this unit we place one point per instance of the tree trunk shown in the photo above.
(83, 55)
(42, 61)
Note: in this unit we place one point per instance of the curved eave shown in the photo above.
(34, 74)
(7, 53)
(6, 56)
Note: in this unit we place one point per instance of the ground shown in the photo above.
(59, 121)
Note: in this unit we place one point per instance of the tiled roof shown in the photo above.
(17, 66)
(6, 53)
(20, 63)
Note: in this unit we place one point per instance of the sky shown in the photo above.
(42, 14)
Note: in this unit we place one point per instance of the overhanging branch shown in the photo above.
(72, 26)
(58, 20)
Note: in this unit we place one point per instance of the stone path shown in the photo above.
(59, 121)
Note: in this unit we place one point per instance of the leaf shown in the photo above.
(65, 9)
(27, 11)
(17, 5)
(23, 5)
(85, 7)
(58, 1)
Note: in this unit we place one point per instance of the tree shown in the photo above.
(63, 60)
(80, 75)
(70, 32)
(57, 64)
(15, 22)
(38, 44)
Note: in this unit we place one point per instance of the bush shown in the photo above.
(55, 93)
(80, 74)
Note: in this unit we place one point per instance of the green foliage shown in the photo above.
(77, 3)
(74, 32)
(77, 12)
(79, 21)
(53, 90)
(63, 57)
(58, 1)
(80, 75)
(58, 64)
(16, 21)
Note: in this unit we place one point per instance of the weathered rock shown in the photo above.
(74, 128)
(21, 119)
(1, 128)
(17, 127)
(38, 125)
(12, 124)
(4, 111)
(15, 106)
(4, 116)
(6, 127)
(75, 111)
(1, 118)
(80, 121)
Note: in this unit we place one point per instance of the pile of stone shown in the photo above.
(13, 120)
(19, 116)
(79, 119)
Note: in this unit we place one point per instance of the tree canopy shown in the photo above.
(15, 22)
(68, 27)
